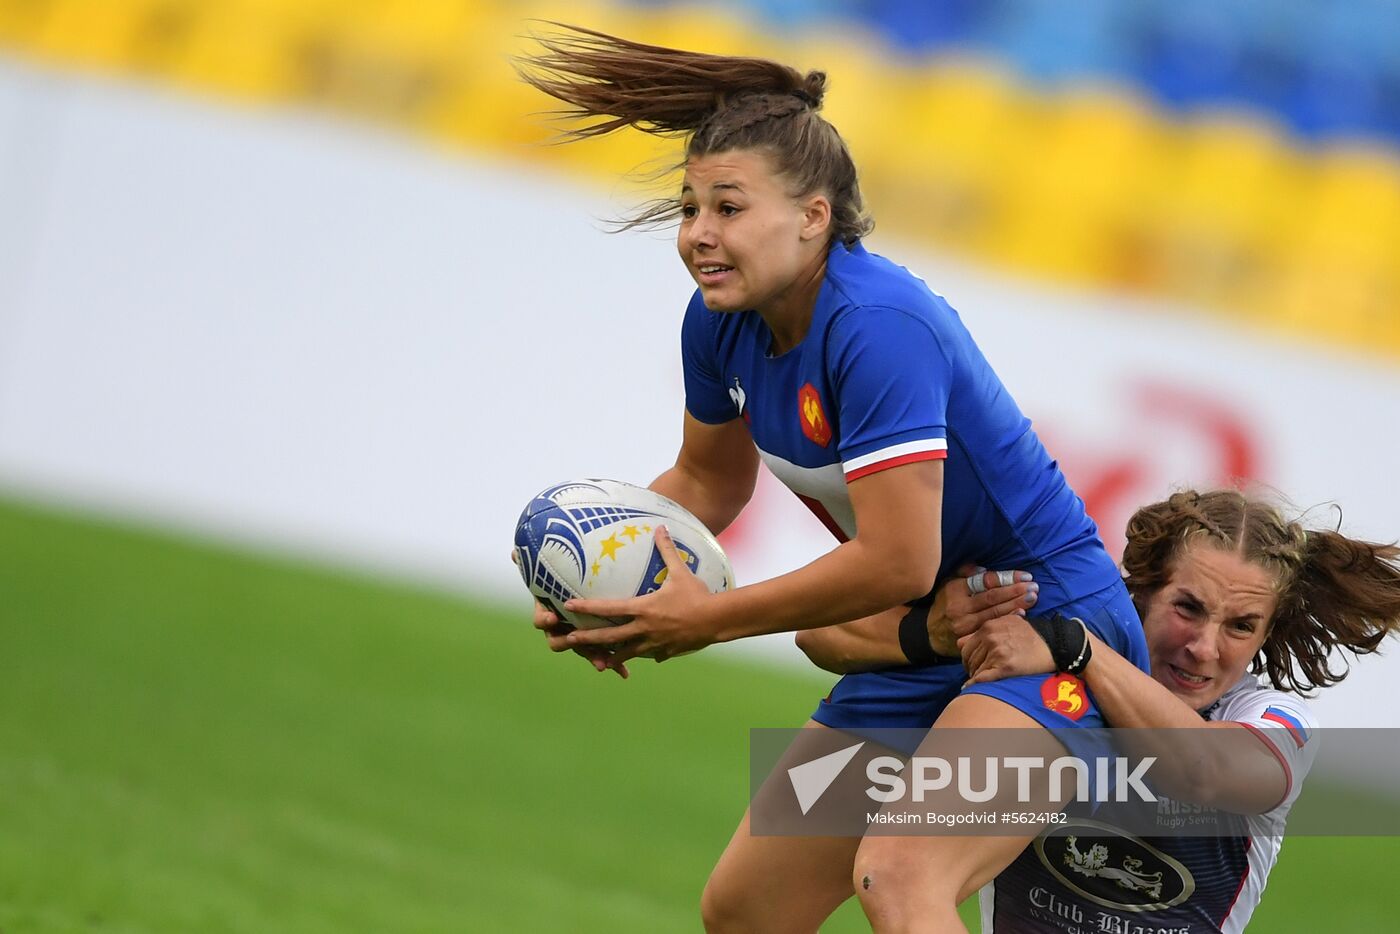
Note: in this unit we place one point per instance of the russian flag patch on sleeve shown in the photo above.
(1289, 721)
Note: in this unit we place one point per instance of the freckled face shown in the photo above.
(743, 238)
(1207, 622)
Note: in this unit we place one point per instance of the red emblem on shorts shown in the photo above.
(809, 410)
(1065, 695)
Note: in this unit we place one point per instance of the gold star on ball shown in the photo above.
(610, 546)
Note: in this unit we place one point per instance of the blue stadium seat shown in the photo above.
(920, 25)
(1335, 98)
(1049, 45)
(1323, 67)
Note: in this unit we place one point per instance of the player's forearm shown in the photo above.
(715, 501)
(1129, 697)
(1232, 772)
(850, 582)
(862, 645)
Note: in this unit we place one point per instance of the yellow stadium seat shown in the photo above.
(940, 170)
(1225, 210)
(22, 20)
(1353, 202)
(1343, 269)
(695, 29)
(258, 49)
(109, 34)
(492, 106)
(489, 104)
(1088, 165)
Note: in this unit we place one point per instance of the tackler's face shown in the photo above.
(1207, 622)
(745, 239)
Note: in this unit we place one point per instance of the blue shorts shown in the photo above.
(913, 698)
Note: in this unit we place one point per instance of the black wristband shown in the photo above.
(1068, 640)
(913, 637)
(914, 641)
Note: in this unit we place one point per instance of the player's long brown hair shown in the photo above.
(1334, 592)
(718, 103)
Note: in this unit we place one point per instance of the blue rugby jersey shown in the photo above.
(887, 375)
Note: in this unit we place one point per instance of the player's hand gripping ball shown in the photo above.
(593, 539)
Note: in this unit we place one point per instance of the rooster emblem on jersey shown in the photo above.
(1064, 694)
(813, 417)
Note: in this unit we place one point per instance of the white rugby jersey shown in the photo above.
(1164, 885)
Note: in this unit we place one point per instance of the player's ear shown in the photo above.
(816, 216)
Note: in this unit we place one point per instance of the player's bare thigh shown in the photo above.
(778, 884)
(915, 883)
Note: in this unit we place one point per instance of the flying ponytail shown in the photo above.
(717, 103)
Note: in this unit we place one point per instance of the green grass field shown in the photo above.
(197, 739)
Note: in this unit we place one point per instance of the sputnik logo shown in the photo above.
(810, 780)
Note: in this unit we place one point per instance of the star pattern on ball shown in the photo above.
(610, 546)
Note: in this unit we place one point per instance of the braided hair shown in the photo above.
(1334, 592)
(718, 103)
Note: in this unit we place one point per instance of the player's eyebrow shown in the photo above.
(1185, 594)
(728, 186)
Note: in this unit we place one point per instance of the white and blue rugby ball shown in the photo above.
(593, 538)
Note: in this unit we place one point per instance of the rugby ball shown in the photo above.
(593, 538)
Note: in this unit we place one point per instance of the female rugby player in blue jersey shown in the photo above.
(861, 390)
(1228, 590)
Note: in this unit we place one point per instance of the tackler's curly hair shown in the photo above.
(1334, 592)
(718, 103)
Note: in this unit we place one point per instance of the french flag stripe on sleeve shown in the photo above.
(894, 456)
(1288, 721)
